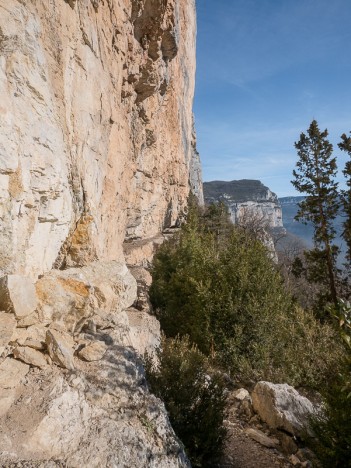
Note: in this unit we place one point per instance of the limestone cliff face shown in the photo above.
(96, 127)
(97, 158)
(251, 205)
(246, 198)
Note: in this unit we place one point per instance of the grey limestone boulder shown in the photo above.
(282, 407)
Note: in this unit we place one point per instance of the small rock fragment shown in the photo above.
(30, 356)
(246, 409)
(17, 295)
(60, 347)
(48, 359)
(29, 320)
(262, 438)
(19, 336)
(35, 344)
(7, 327)
(58, 326)
(294, 460)
(93, 351)
(35, 333)
(306, 455)
(306, 464)
(241, 394)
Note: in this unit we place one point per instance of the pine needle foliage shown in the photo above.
(333, 425)
(315, 176)
(345, 145)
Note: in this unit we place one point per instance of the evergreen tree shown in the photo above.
(216, 219)
(345, 145)
(315, 176)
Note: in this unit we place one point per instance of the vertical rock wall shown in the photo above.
(196, 171)
(96, 127)
(96, 148)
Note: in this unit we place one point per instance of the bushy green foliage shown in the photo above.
(333, 425)
(310, 354)
(229, 299)
(194, 398)
(333, 430)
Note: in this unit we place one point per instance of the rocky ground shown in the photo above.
(252, 443)
(72, 388)
(243, 452)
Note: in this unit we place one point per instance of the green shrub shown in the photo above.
(333, 429)
(218, 286)
(304, 351)
(193, 396)
(333, 425)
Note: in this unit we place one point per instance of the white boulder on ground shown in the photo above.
(282, 407)
(17, 295)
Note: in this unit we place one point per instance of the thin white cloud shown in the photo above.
(259, 39)
(251, 129)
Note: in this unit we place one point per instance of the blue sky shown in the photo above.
(265, 69)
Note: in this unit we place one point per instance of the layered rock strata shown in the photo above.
(97, 158)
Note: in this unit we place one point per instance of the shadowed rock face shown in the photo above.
(101, 414)
(246, 196)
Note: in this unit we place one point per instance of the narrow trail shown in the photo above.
(243, 452)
